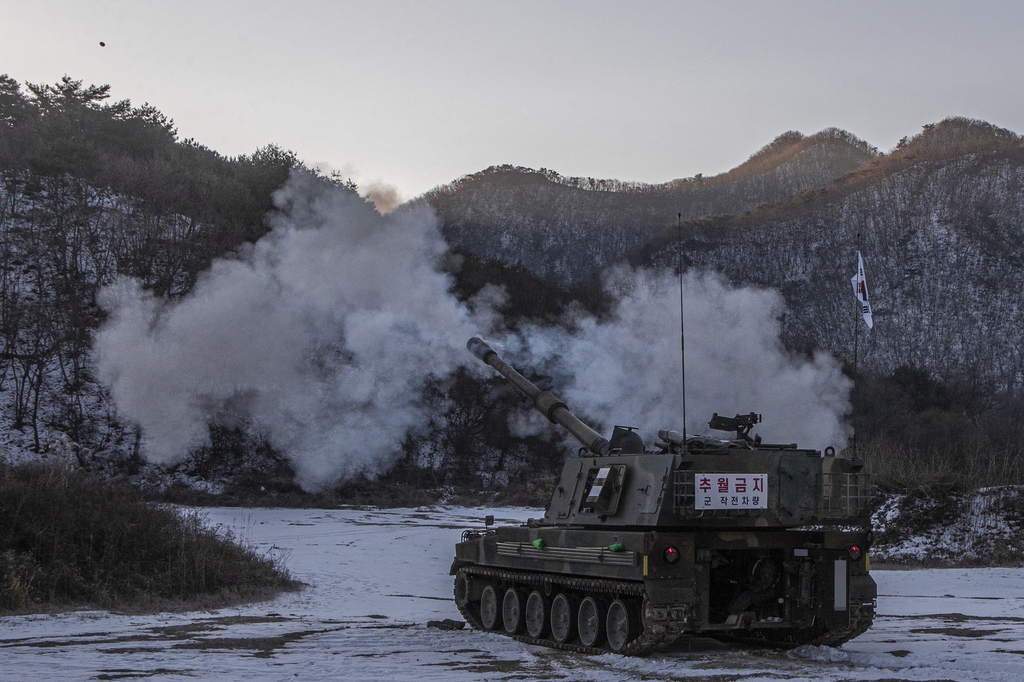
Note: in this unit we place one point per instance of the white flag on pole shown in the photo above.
(860, 290)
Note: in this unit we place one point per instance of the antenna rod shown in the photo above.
(682, 328)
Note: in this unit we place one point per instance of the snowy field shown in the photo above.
(377, 577)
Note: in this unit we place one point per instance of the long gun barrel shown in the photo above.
(545, 402)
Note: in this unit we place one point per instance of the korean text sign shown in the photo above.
(730, 491)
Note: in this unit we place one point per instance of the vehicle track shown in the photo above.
(654, 633)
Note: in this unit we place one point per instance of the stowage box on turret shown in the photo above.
(733, 539)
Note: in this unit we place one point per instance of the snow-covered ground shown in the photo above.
(983, 526)
(377, 576)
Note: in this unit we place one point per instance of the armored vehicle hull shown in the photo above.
(637, 548)
(637, 600)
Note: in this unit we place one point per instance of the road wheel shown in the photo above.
(537, 609)
(512, 611)
(489, 608)
(461, 590)
(620, 625)
(563, 618)
(590, 621)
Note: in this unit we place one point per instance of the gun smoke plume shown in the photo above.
(626, 370)
(324, 333)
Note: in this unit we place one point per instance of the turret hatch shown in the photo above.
(604, 488)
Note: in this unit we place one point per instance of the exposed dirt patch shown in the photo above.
(132, 650)
(208, 624)
(61, 643)
(381, 654)
(416, 596)
(263, 646)
(123, 674)
(182, 631)
(486, 669)
(961, 618)
(161, 633)
(955, 632)
(248, 620)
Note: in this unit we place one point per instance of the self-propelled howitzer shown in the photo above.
(639, 546)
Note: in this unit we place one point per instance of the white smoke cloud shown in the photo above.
(323, 334)
(626, 370)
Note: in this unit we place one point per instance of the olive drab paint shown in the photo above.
(629, 528)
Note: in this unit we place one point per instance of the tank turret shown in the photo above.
(731, 538)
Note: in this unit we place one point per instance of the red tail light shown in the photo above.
(671, 555)
(855, 552)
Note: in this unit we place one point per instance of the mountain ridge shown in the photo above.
(941, 227)
(567, 229)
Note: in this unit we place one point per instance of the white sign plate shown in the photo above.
(730, 491)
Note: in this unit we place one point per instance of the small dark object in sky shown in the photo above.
(446, 624)
(102, 44)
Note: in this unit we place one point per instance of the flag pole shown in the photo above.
(856, 329)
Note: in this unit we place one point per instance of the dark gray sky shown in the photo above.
(418, 93)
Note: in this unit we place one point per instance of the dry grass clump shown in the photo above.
(935, 468)
(68, 540)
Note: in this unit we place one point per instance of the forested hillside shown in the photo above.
(90, 190)
(940, 222)
(570, 230)
(941, 225)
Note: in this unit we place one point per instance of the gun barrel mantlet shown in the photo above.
(545, 402)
